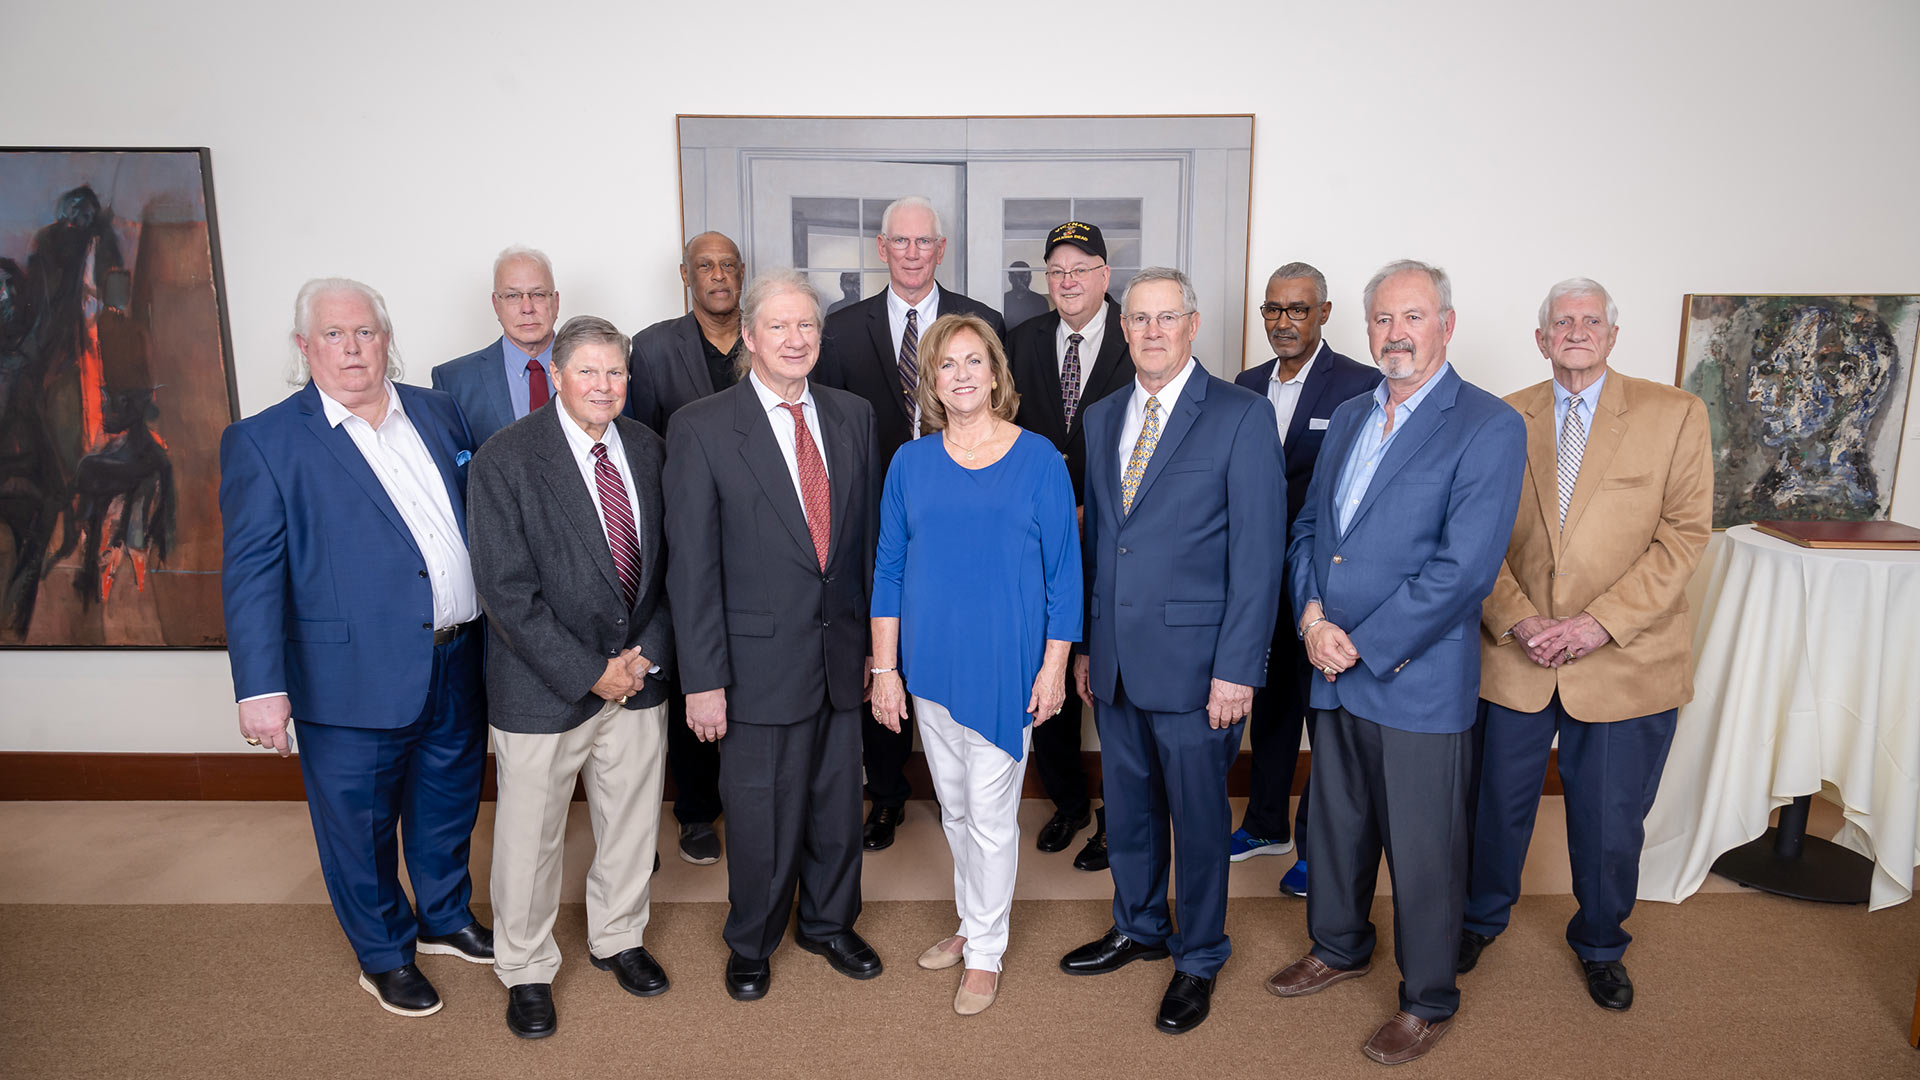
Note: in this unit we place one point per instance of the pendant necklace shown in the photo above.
(968, 450)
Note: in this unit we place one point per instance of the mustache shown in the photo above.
(1396, 346)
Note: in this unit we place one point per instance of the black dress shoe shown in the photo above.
(1607, 983)
(1059, 830)
(878, 833)
(1093, 857)
(402, 991)
(530, 1010)
(846, 951)
(636, 971)
(1111, 953)
(747, 980)
(699, 844)
(1188, 1000)
(472, 943)
(1471, 945)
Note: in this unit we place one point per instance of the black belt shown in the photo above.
(449, 633)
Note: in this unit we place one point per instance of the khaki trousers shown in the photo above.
(619, 754)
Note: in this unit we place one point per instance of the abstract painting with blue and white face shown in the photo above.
(1807, 396)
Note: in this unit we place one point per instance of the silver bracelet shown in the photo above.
(881, 670)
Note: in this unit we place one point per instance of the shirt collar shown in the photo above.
(1591, 395)
(770, 401)
(1420, 395)
(583, 443)
(897, 306)
(517, 357)
(337, 413)
(1095, 325)
(1169, 393)
(1301, 375)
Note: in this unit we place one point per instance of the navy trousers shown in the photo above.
(1609, 773)
(1164, 769)
(422, 779)
(1279, 713)
(1379, 789)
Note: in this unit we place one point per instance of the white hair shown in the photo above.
(517, 251)
(309, 298)
(908, 202)
(1442, 285)
(1162, 273)
(1578, 286)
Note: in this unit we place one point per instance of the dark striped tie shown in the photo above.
(910, 355)
(621, 535)
(1070, 378)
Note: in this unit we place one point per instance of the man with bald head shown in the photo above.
(508, 379)
(1400, 538)
(676, 361)
(351, 620)
(871, 349)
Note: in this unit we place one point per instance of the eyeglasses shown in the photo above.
(923, 243)
(538, 296)
(1166, 320)
(1295, 312)
(1079, 273)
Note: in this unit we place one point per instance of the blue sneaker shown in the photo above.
(1294, 881)
(1243, 845)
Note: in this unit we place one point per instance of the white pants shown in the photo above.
(979, 789)
(619, 752)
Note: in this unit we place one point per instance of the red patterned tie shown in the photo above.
(813, 483)
(619, 516)
(536, 385)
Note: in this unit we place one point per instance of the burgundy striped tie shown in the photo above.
(813, 483)
(621, 535)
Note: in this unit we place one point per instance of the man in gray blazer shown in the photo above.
(772, 497)
(565, 513)
(508, 379)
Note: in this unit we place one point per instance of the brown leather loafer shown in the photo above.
(1308, 975)
(1404, 1038)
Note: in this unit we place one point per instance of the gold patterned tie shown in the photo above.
(1142, 453)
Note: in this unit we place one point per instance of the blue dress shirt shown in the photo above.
(1370, 445)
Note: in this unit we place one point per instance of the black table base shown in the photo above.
(1785, 860)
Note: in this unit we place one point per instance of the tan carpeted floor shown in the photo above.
(1729, 986)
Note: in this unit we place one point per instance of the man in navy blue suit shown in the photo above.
(351, 607)
(1401, 536)
(1306, 380)
(1185, 493)
(508, 379)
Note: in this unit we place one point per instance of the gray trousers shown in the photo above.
(1376, 789)
(792, 799)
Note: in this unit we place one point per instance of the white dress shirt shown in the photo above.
(406, 471)
(929, 309)
(1136, 417)
(1090, 339)
(1285, 393)
(582, 445)
(782, 422)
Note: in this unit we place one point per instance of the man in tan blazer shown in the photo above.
(1586, 633)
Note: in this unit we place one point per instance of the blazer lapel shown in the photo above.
(651, 509)
(569, 490)
(1106, 367)
(838, 443)
(1311, 391)
(495, 380)
(1050, 384)
(1103, 459)
(1543, 462)
(693, 356)
(1426, 420)
(1609, 431)
(341, 446)
(1179, 421)
(441, 449)
(769, 468)
(880, 328)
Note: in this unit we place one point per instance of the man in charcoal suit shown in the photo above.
(870, 348)
(772, 500)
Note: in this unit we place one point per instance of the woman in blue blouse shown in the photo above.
(976, 600)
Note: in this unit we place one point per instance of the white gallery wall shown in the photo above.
(1660, 147)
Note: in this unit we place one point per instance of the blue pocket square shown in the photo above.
(462, 458)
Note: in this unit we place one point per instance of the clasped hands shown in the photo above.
(1552, 643)
(625, 675)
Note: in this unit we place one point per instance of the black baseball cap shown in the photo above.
(1081, 235)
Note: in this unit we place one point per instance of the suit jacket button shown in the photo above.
(619, 622)
(1337, 558)
(423, 573)
(1123, 551)
(825, 623)
(426, 626)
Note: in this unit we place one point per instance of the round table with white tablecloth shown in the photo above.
(1807, 673)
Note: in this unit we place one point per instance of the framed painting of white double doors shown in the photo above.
(807, 192)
